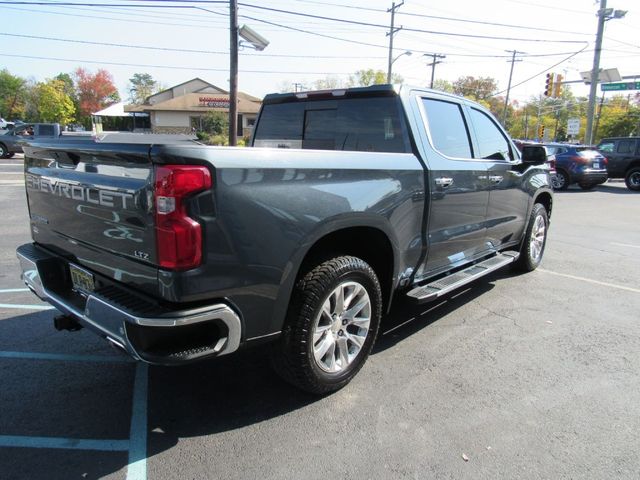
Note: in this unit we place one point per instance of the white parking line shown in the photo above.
(589, 280)
(625, 245)
(136, 445)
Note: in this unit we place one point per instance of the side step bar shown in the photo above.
(431, 291)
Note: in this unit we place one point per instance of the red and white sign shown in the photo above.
(215, 102)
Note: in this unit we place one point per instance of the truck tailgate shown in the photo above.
(92, 204)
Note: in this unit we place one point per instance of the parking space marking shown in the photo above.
(26, 307)
(136, 445)
(13, 290)
(65, 358)
(137, 468)
(625, 245)
(589, 280)
(64, 443)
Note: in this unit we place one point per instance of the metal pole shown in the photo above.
(433, 64)
(595, 129)
(233, 80)
(594, 73)
(391, 33)
(506, 100)
(538, 117)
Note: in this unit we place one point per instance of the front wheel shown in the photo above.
(535, 239)
(3, 151)
(331, 325)
(632, 179)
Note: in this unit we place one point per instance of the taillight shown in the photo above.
(605, 161)
(552, 166)
(178, 236)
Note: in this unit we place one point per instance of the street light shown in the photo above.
(604, 14)
(408, 53)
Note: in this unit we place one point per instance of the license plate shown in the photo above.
(596, 164)
(81, 279)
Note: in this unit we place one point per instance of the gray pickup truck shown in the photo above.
(12, 141)
(176, 253)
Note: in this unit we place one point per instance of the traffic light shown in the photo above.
(541, 131)
(557, 86)
(548, 86)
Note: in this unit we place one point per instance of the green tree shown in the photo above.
(215, 123)
(365, 78)
(481, 88)
(54, 105)
(12, 95)
(443, 85)
(141, 86)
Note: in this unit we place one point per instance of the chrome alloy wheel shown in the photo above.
(558, 181)
(634, 179)
(341, 327)
(536, 242)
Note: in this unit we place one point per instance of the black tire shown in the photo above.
(632, 179)
(293, 355)
(561, 181)
(10, 154)
(4, 153)
(531, 252)
(587, 186)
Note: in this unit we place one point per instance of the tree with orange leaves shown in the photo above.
(95, 91)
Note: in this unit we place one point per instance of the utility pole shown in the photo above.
(392, 31)
(233, 80)
(593, 89)
(297, 86)
(436, 60)
(506, 100)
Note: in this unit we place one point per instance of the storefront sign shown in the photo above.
(215, 102)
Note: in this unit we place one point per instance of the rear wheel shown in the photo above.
(4, 153)
(331, 325)
(561, 180)
(632, 179)
(534, 241)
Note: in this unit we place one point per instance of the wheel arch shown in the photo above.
(371, 241)
(546, 199)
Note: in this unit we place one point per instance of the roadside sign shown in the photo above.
(573, 126)
(608, 87)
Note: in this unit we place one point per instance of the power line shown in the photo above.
(68, 4)
(432, 32)
(171, 49)
(480, 22)
(545, 70)
(171, 67)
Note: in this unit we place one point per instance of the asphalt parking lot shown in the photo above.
(520, 376)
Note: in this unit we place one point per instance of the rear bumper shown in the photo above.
(590, 176)
(148, 332)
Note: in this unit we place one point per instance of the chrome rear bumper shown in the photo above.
(43, 272)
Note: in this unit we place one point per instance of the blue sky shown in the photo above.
(301, 57)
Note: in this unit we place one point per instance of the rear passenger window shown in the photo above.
(46, 130)
(606, 147)
(626, 146)
(356, 124)
(448, 129)
(492, 144)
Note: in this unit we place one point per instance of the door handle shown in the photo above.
(444, 181)
(495, 178)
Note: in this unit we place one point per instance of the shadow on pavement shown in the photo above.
(94, 400)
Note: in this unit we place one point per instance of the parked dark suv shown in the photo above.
(579, 164)
(624, 159)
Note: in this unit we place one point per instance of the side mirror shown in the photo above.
(534, 155)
